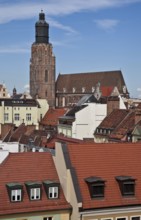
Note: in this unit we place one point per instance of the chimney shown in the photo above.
(113, 102)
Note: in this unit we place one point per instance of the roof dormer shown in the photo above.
(52, 189)
(126, 185)
(96, 186)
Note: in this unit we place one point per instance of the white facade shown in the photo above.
(87, 119)
(12, 147)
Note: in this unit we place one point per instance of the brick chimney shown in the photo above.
(113, 102)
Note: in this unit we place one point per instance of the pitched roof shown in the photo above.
(62, 139)
(104, 161)
(89, 80)
(52, 115)
(126, 126)
(114, 118)
(23, 167)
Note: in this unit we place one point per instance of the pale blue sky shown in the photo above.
(87, 36)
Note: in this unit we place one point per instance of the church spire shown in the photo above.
(42, 29)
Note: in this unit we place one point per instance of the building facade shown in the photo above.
(18, 111)
(42, 64)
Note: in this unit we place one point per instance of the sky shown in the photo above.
(87, 36)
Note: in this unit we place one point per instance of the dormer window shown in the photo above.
(52, 189)
(34, 190)
(96, 186)
(64, 90)
(93, 88)
(15, 192)
(83, 89)
(73, 90)
(126, 185)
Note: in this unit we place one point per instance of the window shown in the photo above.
(34, 190)
(47, 218)
(96, 186)
(64, 90)
(135, 218)
(93, 89)
(46, 76)
(53, 192)
(28, 117)
(17, 117)
(34, 193)
(83, 89)
(52, 189)
(15, 192)
(126, 185)
(121, 218)
(6, 116)
(16, 195)
(73, 90)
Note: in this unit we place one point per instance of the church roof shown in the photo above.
(89, 80)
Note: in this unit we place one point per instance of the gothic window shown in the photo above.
(46, 93)
(46, 76)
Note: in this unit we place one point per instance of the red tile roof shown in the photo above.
(23, 167)
(114, 118)
(52, 115)
(106, 161)
(62, 138)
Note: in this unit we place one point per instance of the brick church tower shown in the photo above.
(42, 64)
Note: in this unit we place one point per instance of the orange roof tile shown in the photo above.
(23, 167)
(106, 161)
(52, 115)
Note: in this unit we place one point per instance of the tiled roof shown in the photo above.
(114, 118)
(15, 135)
(126, 126)
(63, 139)
(104, 161)
(23, 167)
(89, 80)
(52, 115)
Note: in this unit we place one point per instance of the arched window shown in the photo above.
(46, 76)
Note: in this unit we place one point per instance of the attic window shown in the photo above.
(126, 185)
(34, 190)
(93, 88)
(52, 189)
(83, 89)
(15, 191)
(64, 90)
(73, 90)
(96, 186)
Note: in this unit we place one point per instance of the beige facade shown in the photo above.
(56, 215)
(19, 111)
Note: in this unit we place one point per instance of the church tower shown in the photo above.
(42, 64)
